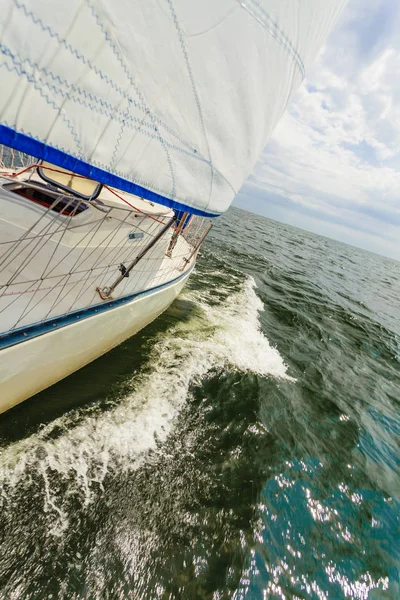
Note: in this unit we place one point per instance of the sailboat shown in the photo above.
(125, 128)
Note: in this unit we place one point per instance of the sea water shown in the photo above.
(244, 445)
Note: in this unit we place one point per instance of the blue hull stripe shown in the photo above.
(20, 141)
(22, 334)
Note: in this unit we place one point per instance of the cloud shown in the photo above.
(335, 155)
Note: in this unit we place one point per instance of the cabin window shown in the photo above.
(65, 205)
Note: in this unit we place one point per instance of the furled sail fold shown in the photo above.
(170, 99)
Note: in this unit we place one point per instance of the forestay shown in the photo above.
(170, 99)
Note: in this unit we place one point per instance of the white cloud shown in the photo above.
(335, 155)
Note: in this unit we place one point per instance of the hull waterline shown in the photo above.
(31, 366)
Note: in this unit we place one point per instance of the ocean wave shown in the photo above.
(222, 335)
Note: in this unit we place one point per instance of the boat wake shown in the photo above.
(222, 333)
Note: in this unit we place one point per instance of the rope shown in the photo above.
(132, 206)
(89, 259)
(53, 169)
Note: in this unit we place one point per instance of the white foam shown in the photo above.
(238, 341)
(221, 335)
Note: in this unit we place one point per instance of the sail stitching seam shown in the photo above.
(107, 109)
(89, 63)
(273, 29)
(46, 29)
(196, 96)
(49, 101)
(31, 79)
(79, 56)
(117, 54)
(96, 164)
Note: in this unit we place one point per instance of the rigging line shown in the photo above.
(110, 278)
(114, 252)
(32, 254)
(194, 90)
(110, 237)
(42, 278)
(83, 289)
(131, 205)
(25, 236)
(57, 246)
(52, 287)
(49, 233)
(96, 226)
(57, 301)
(70, 216)
(20, 292)
(25, 314)
(110, 189)
(142, 226)
(142, 221)
(94, 266)
(10, 304)
(30, 281)
(161, 244)
(37, 247)
(27, 232)
(17, 297)
(21, 239)
(137, 249)
(66, 276)
(148, 232)
(156, 256)
(108, 269)
(94, 293)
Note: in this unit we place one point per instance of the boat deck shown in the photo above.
(65, 256)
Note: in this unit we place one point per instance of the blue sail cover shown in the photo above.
(172, 100)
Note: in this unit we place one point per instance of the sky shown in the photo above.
(332, 165)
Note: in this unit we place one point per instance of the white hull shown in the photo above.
(77, 278)
(33, 365)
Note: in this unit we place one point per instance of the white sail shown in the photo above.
(171, 99)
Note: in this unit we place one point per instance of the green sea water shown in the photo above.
(244, 445)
